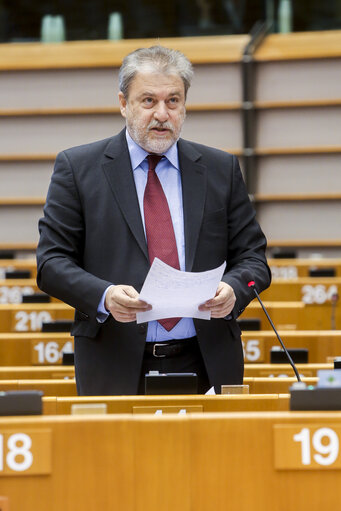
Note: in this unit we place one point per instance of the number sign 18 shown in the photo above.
(25, 453)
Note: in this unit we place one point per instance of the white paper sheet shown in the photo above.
(174, 293)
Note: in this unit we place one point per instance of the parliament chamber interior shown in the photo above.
(269, 95)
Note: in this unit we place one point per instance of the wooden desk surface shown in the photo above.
(323, 345)
(295, 315)
(28, 317)
(289, 268)
(237, 461)
(171, 404)
(61, 387)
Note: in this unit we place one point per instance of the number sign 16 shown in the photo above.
(50, 352)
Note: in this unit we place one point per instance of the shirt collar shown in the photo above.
(138, 154)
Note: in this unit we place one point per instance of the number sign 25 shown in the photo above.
(307, 446)
(253, 350)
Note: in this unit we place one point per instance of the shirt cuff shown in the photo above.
(102, 313)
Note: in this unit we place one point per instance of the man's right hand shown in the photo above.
(123, 303)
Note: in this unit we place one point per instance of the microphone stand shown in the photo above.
(252, 284)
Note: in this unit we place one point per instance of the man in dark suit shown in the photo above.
(99, 237)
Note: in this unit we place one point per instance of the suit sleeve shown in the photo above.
(246, 245)
(60, 248)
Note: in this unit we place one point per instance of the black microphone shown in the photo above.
(246, 275)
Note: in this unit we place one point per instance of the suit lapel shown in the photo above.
(119, 174)
(193, 175)
(121, 180)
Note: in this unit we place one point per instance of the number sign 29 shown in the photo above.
(307, 446)
(25, 452)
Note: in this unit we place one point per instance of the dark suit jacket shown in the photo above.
(92, 236)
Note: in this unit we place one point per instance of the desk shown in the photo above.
(135, 404)
(295, 315)
(27, 317)
(59, 387)
(196, 462)
(27, 348)
(311, 290)
(290, 268)
(275, 370)
(322, 344)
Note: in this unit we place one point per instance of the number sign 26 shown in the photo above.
(307, 446)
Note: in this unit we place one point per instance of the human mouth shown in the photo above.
(160, 131)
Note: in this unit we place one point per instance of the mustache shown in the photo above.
(162, 125)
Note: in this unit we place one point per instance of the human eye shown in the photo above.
(174, 100)
(148, 101)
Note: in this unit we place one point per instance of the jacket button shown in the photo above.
(142, 328)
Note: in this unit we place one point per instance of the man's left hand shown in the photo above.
(223, 302)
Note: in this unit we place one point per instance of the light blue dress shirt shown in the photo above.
(168, 172)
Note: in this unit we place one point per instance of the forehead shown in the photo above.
(157, 84)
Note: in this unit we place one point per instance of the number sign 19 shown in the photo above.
(307, 446)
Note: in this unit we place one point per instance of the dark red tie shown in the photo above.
(159, 227)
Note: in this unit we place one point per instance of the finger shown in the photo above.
(130, 291)
(215, 305)
(126, 301)
(119, 309)
(125, 318)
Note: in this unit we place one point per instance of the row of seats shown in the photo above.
(31, 348)
(281, 267)
(305, 324)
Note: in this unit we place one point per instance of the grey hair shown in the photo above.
(156, 59)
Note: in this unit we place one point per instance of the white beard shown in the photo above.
(143, 136)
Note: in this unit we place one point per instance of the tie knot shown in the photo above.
(153, 160)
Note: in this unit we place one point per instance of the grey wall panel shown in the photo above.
(299, 127)
(25, 178)
(306, 220)
(217, 129)
(59, 88)
(19, 224)
(294, 80)
(49, 134)
(216, 83)
(99, 87)
(308, 173)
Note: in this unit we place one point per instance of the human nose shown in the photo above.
(161, 112)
